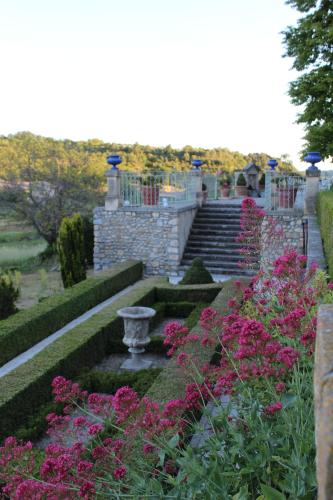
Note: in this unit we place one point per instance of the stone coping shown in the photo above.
(181, 207)
(294, 212)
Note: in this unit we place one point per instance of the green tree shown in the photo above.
(9, 293)
(71, 250)
(310, 43)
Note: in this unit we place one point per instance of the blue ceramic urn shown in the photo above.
(313, 157)
(196, 164)
(272, 164)
(114, 160)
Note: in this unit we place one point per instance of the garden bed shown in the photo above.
(28, 387)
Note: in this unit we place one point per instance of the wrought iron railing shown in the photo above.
(326, 180)
(163, 188)
(284, 192)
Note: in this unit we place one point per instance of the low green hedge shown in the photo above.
(325, 216)
(24, 329)
(188, 293)
(24, 389)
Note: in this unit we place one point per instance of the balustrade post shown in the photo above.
(113, 198)
(196, 186)
(311, 191)
(268, 190)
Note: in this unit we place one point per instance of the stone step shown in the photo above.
(220, 263)
(219, 216)
(228, 253)
(217, 222)
(212, 236)
(212, 257)
(227, 247)
(213, 229)
(225, 271)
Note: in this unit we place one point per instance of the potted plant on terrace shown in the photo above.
(241, 187)
(225, 186)
(262, 183)
(150, 190)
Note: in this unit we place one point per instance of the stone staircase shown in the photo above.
(213, 238)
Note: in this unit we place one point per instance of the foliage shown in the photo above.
(262, 180)
(9, 293)
(253, 238)
(241, 181)
(71, 250)
(325, 215)
(29, 326)
(46, 180)
(310, 44)
(88, 238)
(197, 274)
(262, 439)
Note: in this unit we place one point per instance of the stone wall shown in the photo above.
(323, 390)
(291, 224)
(155, 235)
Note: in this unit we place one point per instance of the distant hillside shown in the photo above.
(20, 152)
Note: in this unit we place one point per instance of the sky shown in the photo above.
(205, 73)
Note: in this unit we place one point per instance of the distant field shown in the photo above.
(19, 253)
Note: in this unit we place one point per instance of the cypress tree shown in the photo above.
(71, 250)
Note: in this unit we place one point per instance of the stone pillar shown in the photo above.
(268, 190)
(113, 199)
(196, 186)
(311, 191)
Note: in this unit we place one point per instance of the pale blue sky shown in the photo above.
(207, 73)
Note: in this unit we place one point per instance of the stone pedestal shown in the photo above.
(196, 186)
(113, 198)
(311, 191)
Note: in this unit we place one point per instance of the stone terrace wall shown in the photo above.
(291, 223)
(157, 236)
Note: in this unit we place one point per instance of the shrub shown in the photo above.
(88, 239)
(29, 326)
(71, 250)
(9, 293)
(241, 181)
(325, 215)
(197, 274)
(188, 293)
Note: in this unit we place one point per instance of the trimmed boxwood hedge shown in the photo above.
(24, 329)
(24, 389)
(325, 215)
(188, 293)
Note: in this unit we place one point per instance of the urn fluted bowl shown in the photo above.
(136, 326)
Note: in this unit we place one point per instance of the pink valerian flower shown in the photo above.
(280, 386)
(125, 402)
(176, 335)
(148, 448)
(65, 390)
(288, 356)
(273, 408)
(94, 429)
(120, 472)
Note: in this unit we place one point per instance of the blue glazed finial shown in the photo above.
(313, 157)
(114, 160)
(272, 164)
(196, 164)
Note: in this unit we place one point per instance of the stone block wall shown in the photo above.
(291, 224)
(323, 391)
(155, 235)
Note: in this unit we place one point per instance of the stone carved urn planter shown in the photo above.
(136, 326)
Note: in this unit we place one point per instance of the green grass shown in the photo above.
(11, 236)
(20, 254)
